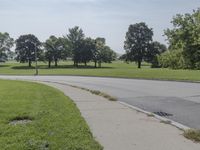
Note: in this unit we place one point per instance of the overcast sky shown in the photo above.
(97, 18)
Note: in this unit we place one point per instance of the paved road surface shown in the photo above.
(180, 99)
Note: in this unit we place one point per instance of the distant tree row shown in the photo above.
(184, 44)
(74, 45)
(183, 50)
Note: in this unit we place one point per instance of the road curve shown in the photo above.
(181, 100)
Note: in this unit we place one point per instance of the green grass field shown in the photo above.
(115, 69)
(55, 124)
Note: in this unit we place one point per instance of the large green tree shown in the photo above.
(137, 43)
(86, 48)
(55, 50)
(6, 43)
(75, 38)
(185, 36)
(26, 46)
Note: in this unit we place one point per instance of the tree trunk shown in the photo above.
(85, 63)
(49, 63)
(99, 64)
(56, 63)
(95, 64)
(75, 64)
(139, 64)
(29, 63)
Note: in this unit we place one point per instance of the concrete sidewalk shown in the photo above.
(118, 127)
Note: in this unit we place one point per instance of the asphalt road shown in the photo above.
(180, 99)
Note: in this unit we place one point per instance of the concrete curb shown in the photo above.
(173, 123)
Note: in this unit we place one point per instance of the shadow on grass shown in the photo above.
(73, 67)
(58, 67)
(1, 66)
(22, 67)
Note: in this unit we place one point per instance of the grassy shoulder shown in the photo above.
(192, 135)
(56, 123)
(95, 92)
(115, 69)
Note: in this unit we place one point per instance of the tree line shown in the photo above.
(183, 51)
(183, 39)
(74, 45)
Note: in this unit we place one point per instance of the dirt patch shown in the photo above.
(21, 120)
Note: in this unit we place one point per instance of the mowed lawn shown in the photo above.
(115, 69)
(54, 121)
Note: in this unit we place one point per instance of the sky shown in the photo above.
(98, 18)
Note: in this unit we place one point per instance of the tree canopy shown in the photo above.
(26, 46)
(6, 43)
(87, 49)
(185, 38)
(75, 38)
(156, 49)
(137, 43)
(55, 50)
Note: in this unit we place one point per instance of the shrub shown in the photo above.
(172, 59)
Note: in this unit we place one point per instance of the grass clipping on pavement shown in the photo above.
(95, 92)
(192, 134)
(44, 118)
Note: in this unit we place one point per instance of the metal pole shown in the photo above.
(36, 66)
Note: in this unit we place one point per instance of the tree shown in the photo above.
(107, 55)
(138, 40)
(6, 43)
(185, 36)
(102, 53)
(156, 49)
(75, 38)
(86, 48)
(173, 60)
(54, 49)
(66, 51)
(99, 46)
(11, 55)
(123, 58)
(26, 46)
